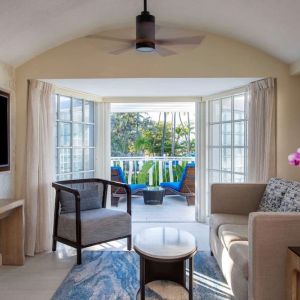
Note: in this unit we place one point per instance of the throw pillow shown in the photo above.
(274, 193)
(291, 200)
(89, 199)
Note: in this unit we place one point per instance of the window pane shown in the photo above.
(89, 175)
(64, 137)
(226, 134)
(239, 133)
(226, 159)
(77, 110)
(78, 175)
(226, 177)
(239, 107)
(89, 135)
(215, 108)
(89, 159)
(239, 161)
(214, 177)
(89, 112)
(77, 160)
(64, 160)
(239, 178)
(64, 177)
(215, 135)
(214, 159)
(78, 135)
(65, 108)
(226, 109)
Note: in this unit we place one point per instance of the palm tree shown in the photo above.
(164, 135)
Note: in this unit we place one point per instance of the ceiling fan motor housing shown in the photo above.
(145, 32)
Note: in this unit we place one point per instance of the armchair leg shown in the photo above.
(129, 243)
(78, 256)
(54, 245)
(190, 200)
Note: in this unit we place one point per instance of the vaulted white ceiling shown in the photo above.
(30, 27)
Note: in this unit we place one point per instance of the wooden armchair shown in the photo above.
(81, 218)
(185, 187)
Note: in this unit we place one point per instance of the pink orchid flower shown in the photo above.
(294, 158)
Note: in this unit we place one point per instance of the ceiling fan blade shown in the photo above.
(189, 40)
(164, 51)
(110, 38)
(122, 50)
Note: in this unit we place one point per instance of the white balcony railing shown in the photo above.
(151, 170)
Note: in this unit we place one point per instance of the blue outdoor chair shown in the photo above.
(185, 187)
(117, 174)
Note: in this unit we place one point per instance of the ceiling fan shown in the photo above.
(146, 41)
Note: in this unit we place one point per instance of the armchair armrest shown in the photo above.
(236, 198)
(270, 235)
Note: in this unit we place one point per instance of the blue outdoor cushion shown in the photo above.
(177, 185)
(173, 185)
(120, 172)
(137, 186)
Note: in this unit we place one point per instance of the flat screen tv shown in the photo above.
(4, 132)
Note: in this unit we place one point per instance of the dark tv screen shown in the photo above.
(4, 131)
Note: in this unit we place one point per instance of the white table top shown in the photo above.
(165, 243)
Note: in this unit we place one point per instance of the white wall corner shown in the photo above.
(295, 68)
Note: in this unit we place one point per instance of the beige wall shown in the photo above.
(7, 84)
(216, 57)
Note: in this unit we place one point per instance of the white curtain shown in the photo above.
(262, 130)
(39, 169)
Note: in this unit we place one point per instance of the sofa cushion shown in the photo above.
(239, 253)
(216, 220)
(229, 233)
(291, 200)
(274, 193)
(89, 199)
(97, 225)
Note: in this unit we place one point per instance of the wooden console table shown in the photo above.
(293, 273)
(12, 232)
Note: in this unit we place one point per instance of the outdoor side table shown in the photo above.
(153, 195)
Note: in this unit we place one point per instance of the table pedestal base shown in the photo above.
(165, 271)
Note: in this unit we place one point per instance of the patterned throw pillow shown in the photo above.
(291, 200)
(274, 193)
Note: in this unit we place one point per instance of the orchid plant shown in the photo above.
(294, 158)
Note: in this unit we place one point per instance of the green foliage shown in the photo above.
(142, 176)
(137, 134)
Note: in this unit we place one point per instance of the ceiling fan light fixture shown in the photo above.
(145, 32)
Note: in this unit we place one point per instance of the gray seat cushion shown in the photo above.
(229, 233)
(89, 199)
(291, 199)
(97, 225)
(274, 193)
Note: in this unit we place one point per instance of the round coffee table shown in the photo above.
(163, 253)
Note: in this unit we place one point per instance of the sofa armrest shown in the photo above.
(236, 198)
(270, 235)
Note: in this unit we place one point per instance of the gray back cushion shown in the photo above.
(291, 200)
(274, 194)
(89, 199)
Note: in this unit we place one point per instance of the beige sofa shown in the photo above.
(251, 246)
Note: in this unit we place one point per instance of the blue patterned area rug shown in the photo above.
(112, 275)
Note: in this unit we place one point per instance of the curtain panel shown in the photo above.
(262, 130)
(40, 167)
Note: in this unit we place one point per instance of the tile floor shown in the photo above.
(41, 275)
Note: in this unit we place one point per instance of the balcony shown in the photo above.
(152, 171)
